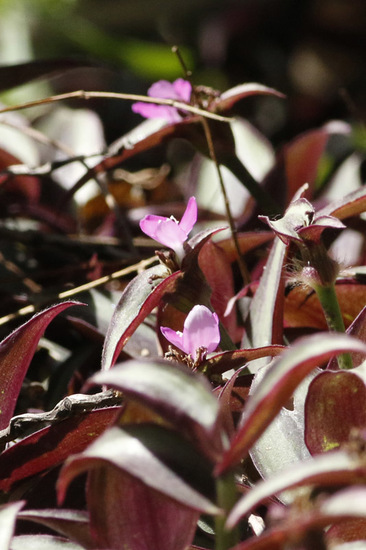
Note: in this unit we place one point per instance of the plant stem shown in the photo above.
(329, 302)
(226, 498)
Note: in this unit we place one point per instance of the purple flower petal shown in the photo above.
(169, 233)
(174, 337)
(183, 89)
(201, 329)
(180, 90)
(150, 110)
(150, 223)
(189, 217)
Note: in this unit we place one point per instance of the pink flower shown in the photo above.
(168, 231)
(201, 330)
(180, 90)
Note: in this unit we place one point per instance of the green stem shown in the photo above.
(226, 498)
(329, 302)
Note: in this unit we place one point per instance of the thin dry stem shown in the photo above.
(32, 308)
(83, 94)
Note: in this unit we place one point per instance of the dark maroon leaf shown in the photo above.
(26, 187)
(247, 241)
(335, 404)
(125, 513)
(302, 156)
(52, 445)
(221, 283)
(16, 353)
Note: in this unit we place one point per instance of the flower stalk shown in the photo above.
(226, 496)
(329, 302)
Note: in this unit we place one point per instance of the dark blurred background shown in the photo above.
(312, 50)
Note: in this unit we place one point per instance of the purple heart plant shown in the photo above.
(182, 405)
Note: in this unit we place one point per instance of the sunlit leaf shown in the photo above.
(73, 524)
(300, 523)
(302, 307)
(171, 390)
(8, 516)
(285, 374)
(349, 205)
(141, 295)
(264, 325)
(142, 451)
(228, 98)
(43, 542)
(331, 469)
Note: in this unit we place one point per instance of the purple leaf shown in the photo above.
(139, 298)
(330, 469)
(73, 524)
(228, 98)
(335, 405)
(349, 205)
(131, 453)
(43, 542)
(227, 360)
(174, 392)
(50, 446)
(299, 522)
(278, 385)
(125, 513)
(264, 326)
(16, 353)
